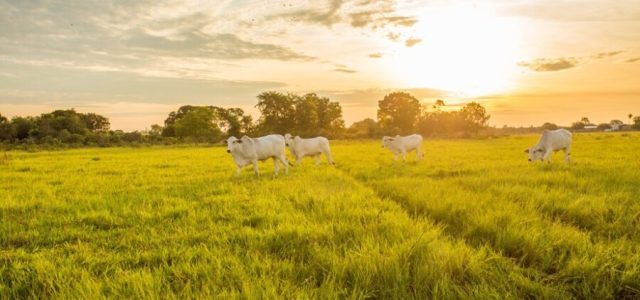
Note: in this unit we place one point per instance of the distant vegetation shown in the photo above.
(304, 115)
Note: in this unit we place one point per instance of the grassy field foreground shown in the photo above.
(472, 220)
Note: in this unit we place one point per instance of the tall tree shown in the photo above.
(198, 123)
(23, 127)
(95, 122)
(6, 130)
(277, 112)
(398, 113)
(475, 115)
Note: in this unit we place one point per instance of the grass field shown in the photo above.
(472, 220)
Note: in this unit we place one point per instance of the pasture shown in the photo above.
(474, 219)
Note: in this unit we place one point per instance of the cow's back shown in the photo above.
(269, 146)
(412, 141)
(557, 139)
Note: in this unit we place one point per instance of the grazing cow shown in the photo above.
(316, 146)
(403, 144)
(248, 150)
(551, 141)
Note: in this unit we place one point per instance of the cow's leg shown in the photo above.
(317, 158)
(276, 166)
(285, 162)
(298, 160)
(329, 157)
(547, 156)
(567, 154)
(255, 167)
(238, 168)
(404, 155)
(418, 153)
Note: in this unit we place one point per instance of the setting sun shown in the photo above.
(464, 49)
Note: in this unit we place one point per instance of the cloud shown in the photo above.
(35, 84)
(605, 54)
(394, 37)
(412, 42)
(632, 60)
(574, 11)
(546, 65)
(356, 13)
(124, 36)
(344, 70)
(221, 46)
(563, 63)
(376, 55)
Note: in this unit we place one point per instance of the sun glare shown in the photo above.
(464, 49)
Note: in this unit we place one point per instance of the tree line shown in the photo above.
(305, 115)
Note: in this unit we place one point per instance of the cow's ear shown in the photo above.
(526, 150)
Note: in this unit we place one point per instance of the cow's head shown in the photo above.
(534, 153)
(287, 139)
(233, 143)
(387, 140)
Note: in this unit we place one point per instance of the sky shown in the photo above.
(527, 61)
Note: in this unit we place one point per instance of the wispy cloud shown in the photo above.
(356, 13)
(605, 54)
(632, 60)
(375, 55)
(563, 63)
(410, 42)
(345, 70)
(546, 64)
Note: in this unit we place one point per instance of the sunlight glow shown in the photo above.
(465, 49)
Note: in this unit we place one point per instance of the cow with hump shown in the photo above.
(551, 141)
(248, 150)
(316, 146)
(400, 145)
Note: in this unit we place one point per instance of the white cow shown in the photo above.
(551, 141)
(403, 144)
(248, 150)
(316, 146)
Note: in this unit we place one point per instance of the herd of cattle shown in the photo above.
(247, 150)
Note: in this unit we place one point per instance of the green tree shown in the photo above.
(23, 127)
(198, 123)
(475, 115)
(549, 126)
(95, 122)
(398, 113)
(277, 112)
(6, 130)
(233, 121)
(307, 120)
(367, 128)
(316, 115)
(636, 123)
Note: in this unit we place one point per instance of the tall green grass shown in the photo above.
(473, 220)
